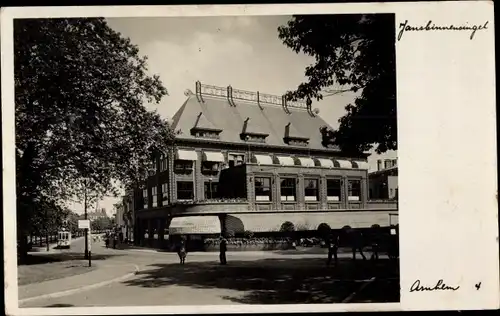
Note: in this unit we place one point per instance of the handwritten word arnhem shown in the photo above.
(405, 27)
(440, 286)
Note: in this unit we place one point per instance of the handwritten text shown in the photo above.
(440, 286)
(405, 27)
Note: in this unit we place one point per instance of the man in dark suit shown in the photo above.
(223, 249)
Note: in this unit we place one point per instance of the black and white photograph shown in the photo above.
(215, 160)
(209, 160)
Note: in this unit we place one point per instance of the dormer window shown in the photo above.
(293, 138)
(251, 133)
(203, 128)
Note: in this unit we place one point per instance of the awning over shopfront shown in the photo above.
(184, 154)
(326, 163)
(263, 159)
(360, 165)
(194, 225)
(285, 161)
(346, 164)
(306, 162)
(213, 156)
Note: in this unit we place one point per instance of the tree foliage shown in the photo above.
(80, 89)
(287, 227)
(101, 223)
(356, 52)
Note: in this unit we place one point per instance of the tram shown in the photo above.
(64, 239)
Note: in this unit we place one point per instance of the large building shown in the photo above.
(246, 161)
(383, 183)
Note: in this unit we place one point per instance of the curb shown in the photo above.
(80, 289)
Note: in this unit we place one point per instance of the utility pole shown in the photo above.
(85, 217)
(46, 229)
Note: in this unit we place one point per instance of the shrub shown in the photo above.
(248, 234)
(287, 227)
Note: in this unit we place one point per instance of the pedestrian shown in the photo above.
(356, 243)
(115, 240)
(375, 241)
(106, 240)
(181, 251)
(223, 249)
(333, 247)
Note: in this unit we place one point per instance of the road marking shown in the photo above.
(353, 294)
(80, 289)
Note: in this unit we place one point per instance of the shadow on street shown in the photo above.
(280, 281)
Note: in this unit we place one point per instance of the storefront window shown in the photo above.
(311, 191)
(333, 190)
(288, 189)
(185, 190)
(354, 190)
(263, 189)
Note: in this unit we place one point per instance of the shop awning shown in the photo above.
(213, 156)
(306, 162)
(346, 164)
(184, 154)
(326, 163)
(194, 225)
(360, 165)
(263, 159)
(285, 161)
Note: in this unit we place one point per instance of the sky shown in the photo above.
(242, 51)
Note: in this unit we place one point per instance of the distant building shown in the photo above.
(383, 183)
(97, 214)
(250, 161)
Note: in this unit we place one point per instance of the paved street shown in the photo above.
(249, 278)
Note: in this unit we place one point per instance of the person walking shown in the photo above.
(356, 243)
(182, 252)
(223, 249)
(333, 247)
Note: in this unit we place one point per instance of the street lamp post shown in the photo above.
(85, 217)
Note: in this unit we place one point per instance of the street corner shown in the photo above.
(103, 274)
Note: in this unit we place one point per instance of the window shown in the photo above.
(262, 189)
(154, 194)
(354, 190)
(164, 193)
(333, 189)
(145, 198)
(209, 167)
(185, 190)
(288, 189)
(163, 163)
(210, 190)
(183, 166)
(235, 159)
(387, 163)
(311, 191)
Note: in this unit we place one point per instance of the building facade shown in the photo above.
(247, 161)
(383, 183)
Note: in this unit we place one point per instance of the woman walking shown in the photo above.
(182, 251)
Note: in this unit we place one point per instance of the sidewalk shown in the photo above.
(52, 246)
(106, 273)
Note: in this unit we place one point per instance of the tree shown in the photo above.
(357, 53)
(80, 89)
(287, 227)
(324, 230)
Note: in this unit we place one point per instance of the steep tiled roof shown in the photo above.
(265, 119)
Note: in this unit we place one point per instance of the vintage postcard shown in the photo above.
(249, 158)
